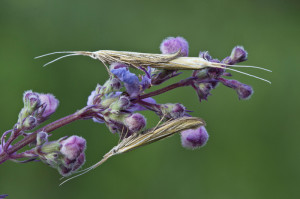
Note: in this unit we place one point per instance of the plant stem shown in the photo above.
(185, 82)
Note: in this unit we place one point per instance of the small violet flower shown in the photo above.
(65, 155)
(135, 122)
(194, 138)
(244, 91)
(238, 54)
(50, 103)
(130, 80)
(172, 45)
(172, 111)
(31, 100)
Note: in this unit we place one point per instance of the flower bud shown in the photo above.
(172, 45)
(227, 60)
(130, 80)
(203, 90)
(238, 54)
(172, 110)
(116, 84)
(121, 104)
(244, 91)
(79, 162)
(31, 100)
(49, 103)
(205, 55)
(29, 123)
(114, 126)
(194, 138)
(72, 147)
(66, 155)
(41, 138)
(135, 122)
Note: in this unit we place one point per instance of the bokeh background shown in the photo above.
(253, 151)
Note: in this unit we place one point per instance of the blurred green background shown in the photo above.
(253, 151)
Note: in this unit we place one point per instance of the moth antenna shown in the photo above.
(64, 52)
(250, 75)
(82, 172)
(59, 59)
(242, 66)
(247, 74)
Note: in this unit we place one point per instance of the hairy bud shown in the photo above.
(65, 155)
(49, 104)
(194, 138)
(135, 122)
(244, 91)
(173, 111)
(238, 54)
(31, 100)
(29, 123)
(172, 45)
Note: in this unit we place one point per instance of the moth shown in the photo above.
(158, 61)
(146, 137)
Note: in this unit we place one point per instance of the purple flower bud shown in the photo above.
(31, 100)
(50, 103)
(65, 155)
(73, 157)
(194, 138)
(145, 82)
(41, 138)
(227, 60)
(130, 80)
(116, 84)
(238, 54)
(64, 171)
(135, 122)
(72, 147)
(203, 89)
(205, 55)
(124, 102)
(172, 45)
(114, 126)
(29, 123)
(172, 110)
(244, 91)
(79, 162)
(121, 104)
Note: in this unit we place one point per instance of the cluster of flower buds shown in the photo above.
(66, 154)
(121, 96)
(37, 108)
